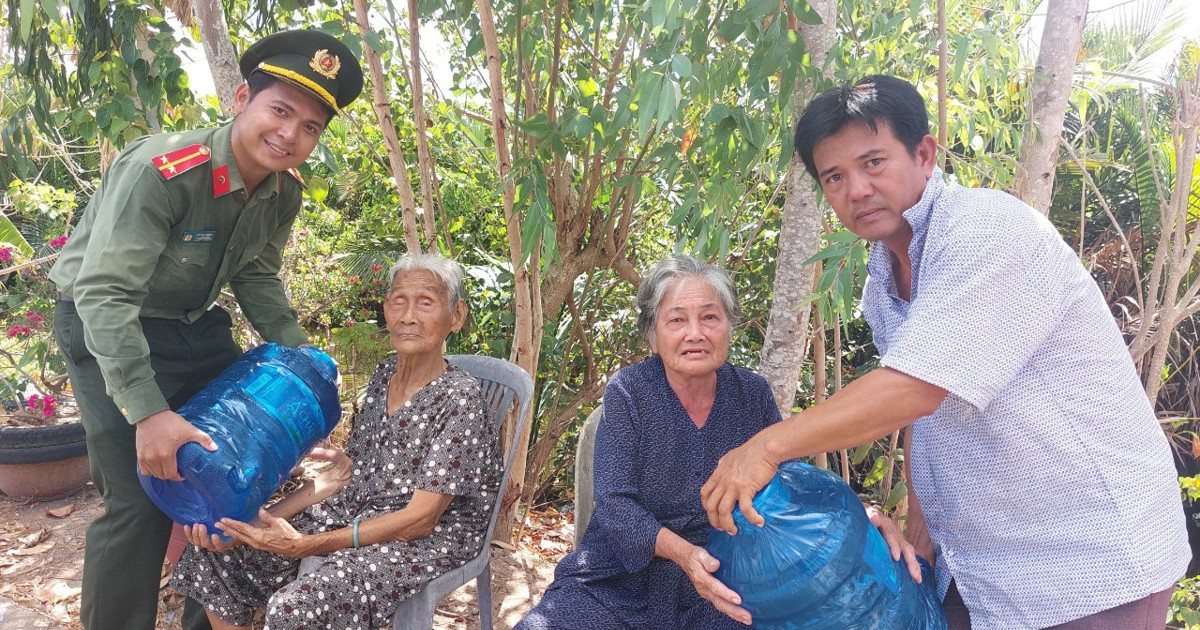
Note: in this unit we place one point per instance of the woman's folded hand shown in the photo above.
(334, 477)
(699, 566)
(272, 534)
(198, 536)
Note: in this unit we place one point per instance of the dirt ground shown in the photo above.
(41, 563)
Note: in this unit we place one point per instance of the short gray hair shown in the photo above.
(666, 273)
(448, 272)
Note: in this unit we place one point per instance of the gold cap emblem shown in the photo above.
(325, 64)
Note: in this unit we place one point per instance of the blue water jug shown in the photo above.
(818, 563)
(265, 412)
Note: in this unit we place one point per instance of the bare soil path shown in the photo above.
(41, 564)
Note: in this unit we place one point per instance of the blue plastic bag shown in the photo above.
(818, 563)
(265, 412)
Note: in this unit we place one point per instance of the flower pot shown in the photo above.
(43, 463)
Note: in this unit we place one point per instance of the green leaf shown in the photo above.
(377, 42)
(549, 245)
(860, 453)
(646, 92)
(103, 116)
(474, 46)
(579, 126)
(318, 188)
(51, 9)
(9, 235)
(537, 126)
(895, 496)
(758, 9)
(668, 101)
(588, 87)
(804, 13)
(658, 13)
(27, 9)
(681, 65)
(878, 470)
(731, 27)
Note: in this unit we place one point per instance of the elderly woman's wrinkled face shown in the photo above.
(418, 316)
(691, 332)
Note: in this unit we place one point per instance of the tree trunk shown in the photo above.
(218, 49)
(424, 158)
(1173, 288)
(787, 328)
(1049, 90)
(524, 353)
(943, 94)
(383, 111)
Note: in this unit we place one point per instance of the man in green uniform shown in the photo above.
(177, 217)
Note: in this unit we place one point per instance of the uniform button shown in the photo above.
(231, 248)
(183, 260)
(124, 411)
(256, 258)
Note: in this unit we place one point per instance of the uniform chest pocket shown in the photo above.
(187, 255)
(182, 273)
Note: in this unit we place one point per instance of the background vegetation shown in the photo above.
(557, 148)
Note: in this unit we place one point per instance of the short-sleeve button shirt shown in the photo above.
(1045, 478)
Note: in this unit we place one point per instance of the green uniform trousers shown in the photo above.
(126, 544)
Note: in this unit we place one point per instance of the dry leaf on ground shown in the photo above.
(61, 512)
(29, 551)
(34, 537)
(22, 565)
(55, 591)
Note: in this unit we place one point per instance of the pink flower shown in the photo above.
(18, 331)
(376, 267)
(44, 404)
(6, 253)
(354, 280)
(34, 318)
(59, 242)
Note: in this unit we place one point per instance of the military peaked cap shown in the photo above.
(314, 61)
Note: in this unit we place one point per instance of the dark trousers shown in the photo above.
(126, 544)
(1147, 613)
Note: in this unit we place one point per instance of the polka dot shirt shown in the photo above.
(1045, 479)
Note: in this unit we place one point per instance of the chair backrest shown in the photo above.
(503, 383)
(585, 472)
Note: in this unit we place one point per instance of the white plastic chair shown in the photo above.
(585, 473)
(503, 383)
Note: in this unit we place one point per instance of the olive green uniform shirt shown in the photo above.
(148, 246)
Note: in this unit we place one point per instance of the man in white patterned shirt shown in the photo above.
(1041, 480)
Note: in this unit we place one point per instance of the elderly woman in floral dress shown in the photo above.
(408, 500)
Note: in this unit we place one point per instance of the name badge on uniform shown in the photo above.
(198, 237)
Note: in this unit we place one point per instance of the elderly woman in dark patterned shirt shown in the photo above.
(667, 420)
(642, 563)
(408, 500)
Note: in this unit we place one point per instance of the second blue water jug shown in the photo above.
(818, 563)
(265, 412)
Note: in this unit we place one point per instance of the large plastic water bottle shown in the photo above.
(818, 563)
(265, 412)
